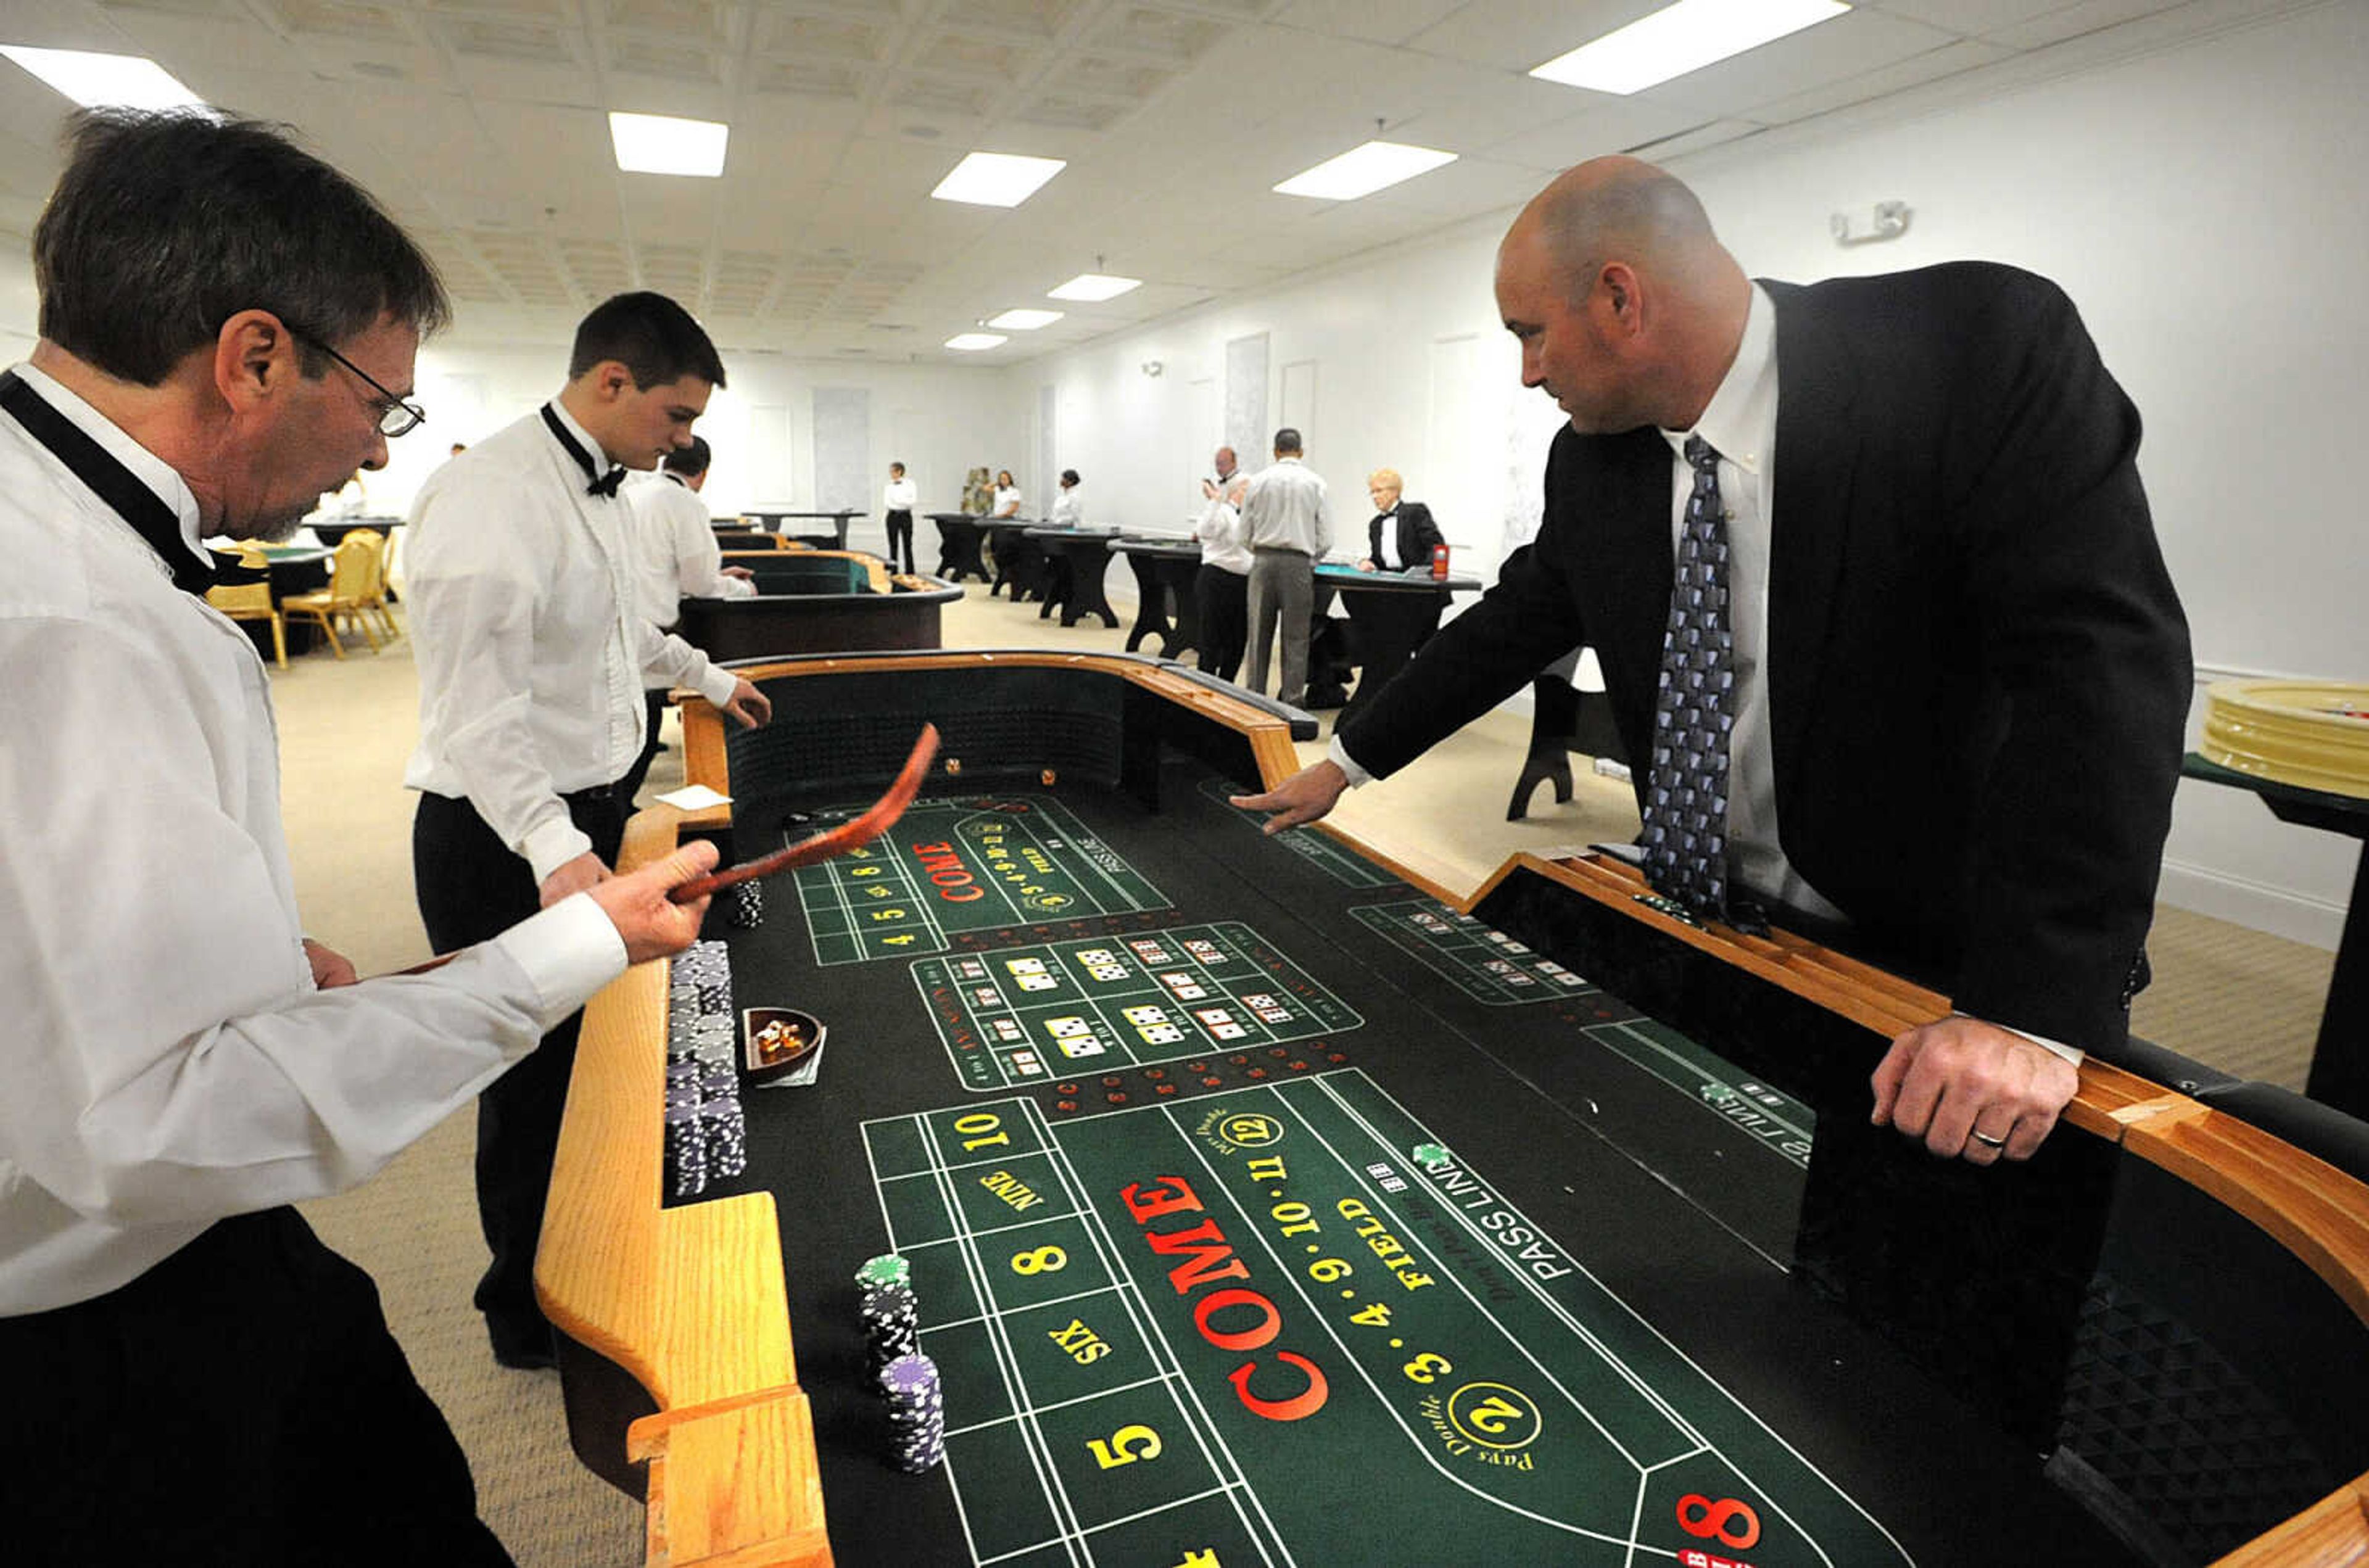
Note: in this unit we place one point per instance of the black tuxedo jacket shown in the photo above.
(1417, 534)
(1977, 672)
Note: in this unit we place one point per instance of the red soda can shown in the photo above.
(1439, 562)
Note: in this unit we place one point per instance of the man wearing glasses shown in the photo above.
(225, 322)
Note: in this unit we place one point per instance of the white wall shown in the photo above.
(2204, 205)
(939, 422)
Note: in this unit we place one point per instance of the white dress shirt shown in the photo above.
(168, 1060)
(526, 626)
(675, 552)
(1387, 557)
(1069, 512)
(1007, 502)
(1286, 509)
(1220, 530)
(900, 495)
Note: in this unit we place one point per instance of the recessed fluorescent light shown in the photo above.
(997, 180)
(1682, 38)
(972, 342)
(1094, 288)
(660, 144)
(1361, 171)
(105, 81)
(1024, 320)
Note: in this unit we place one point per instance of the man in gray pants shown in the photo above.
(1290, 526)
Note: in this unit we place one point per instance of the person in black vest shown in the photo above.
(1401, 536)
(228, 328)
(1959, 672)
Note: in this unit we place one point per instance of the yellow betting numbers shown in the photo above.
(1043, 1260)
(1426, 1367)
(1125, 1446)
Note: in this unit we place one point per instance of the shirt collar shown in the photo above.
(1740, 420)
(577, 433)
(147, 467)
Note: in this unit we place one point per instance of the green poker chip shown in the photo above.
(1429, 1154)
(887, 1269)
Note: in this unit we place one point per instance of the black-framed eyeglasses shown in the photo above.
(397, 416)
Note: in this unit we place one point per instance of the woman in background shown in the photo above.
(897, 505)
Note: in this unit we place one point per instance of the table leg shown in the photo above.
(1150, 606)
(1554, 724)
(2340, 1063)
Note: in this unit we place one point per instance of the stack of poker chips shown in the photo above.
(746, 908)
(707, 1135)
(917, 1412)
(908, 1379)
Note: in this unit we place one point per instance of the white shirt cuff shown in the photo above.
(2072, 1054)
(1357, 776)
(569, 951)
(553, 844)
(718, 684)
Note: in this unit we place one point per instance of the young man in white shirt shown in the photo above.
(224, 322)
(897, 503)
(675, 548)
(533, 650)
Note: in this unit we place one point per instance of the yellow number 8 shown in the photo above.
(1044, 1260)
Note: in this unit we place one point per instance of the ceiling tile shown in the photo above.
(1378, 21)
(1515, 35)
(2072, 21)
(1815, 57)
(1930, 66)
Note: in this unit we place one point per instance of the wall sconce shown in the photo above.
(1152, 368)
(1891, 222)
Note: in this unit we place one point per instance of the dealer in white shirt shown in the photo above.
(533, 647)
(675, 550)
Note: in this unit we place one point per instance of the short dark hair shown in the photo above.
(167, 224)
(1287, 440)
(1069, 475)
(652, 337)
(898, 466)
(692, 461)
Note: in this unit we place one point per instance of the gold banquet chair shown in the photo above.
(252, 602)
(375, 602)
(351, 572)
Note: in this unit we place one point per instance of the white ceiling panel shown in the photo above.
(1971, 18)
(1965, 54)
(1378, 21)
(1603, 124)
(1515, 35)
(1851, 44)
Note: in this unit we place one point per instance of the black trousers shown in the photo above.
(243, 1403)
(900, 531)
(471, 888)
(631, 785)
(1224, 600)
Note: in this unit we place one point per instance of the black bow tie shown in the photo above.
(602, 484)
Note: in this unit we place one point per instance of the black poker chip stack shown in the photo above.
(917, 1413)
(708, 1136)
(746, 909)
(892, 1325)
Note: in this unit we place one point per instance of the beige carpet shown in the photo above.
(2223, 994)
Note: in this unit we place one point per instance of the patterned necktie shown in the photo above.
(1686, 795)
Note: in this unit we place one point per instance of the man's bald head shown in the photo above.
(1628, 307)
(1621, 209)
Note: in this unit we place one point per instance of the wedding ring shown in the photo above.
(1987, 1141)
